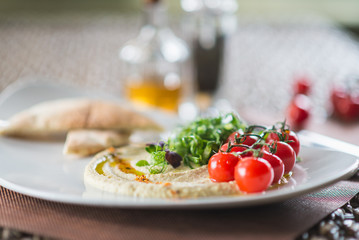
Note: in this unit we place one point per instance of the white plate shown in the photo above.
(38, 168)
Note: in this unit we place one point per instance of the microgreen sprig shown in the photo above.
(160, 157)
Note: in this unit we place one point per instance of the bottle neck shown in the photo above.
(155, 15)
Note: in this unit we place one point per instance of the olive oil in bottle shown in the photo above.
(155, 62)
(162, 92)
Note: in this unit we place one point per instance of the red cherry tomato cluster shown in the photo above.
(302, 85)
(255, 159)
(299, 108)
(345, 101)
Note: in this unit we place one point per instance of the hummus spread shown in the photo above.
(116, 171)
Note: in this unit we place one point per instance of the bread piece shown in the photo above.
(60, 116)
(87, 142)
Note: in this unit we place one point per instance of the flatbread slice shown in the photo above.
(63, 115)
(86, 142)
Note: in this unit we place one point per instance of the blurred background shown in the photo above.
(344, 12)
(270, 48)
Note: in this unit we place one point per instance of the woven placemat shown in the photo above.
(283, 220)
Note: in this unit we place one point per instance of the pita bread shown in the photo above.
(87, 142)
(61, 116)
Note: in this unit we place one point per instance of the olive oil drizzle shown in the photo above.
(99, 166)
(116, 162)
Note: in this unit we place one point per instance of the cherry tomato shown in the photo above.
(245, 140)
(345, 105)
(253, 175)
(221, 167)
(277, 165)
(288, 136)
(298, 111)
(285, 153)
(337, 92)
(302, 85)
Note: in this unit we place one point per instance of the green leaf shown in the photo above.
(209, 149)
(151, 148)
(142, 163)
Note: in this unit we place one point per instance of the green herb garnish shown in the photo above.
(194, 143)
(158, 163)
(199, 140)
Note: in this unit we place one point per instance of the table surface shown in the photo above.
(261, 60)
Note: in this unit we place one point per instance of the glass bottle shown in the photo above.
(207, 24)
(155, 71)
